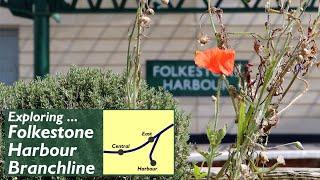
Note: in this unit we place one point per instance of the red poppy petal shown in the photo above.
(214, 60)
(218, 61)
(201, 59)
(227, 64)
(227, 68)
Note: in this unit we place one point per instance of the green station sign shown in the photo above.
(184, 78)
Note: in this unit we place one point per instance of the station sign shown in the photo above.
(184, 78)
(88, 142)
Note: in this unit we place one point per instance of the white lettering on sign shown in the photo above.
(71, 167)
(190, 84)
(41, 151)
(179, 71)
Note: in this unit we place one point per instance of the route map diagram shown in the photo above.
(138, 142)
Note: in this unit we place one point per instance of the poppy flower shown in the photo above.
(218, 61)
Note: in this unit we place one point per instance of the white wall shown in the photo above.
(101, 41)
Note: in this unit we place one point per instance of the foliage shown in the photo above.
(197, 173)
(95, 89)
(286, 52)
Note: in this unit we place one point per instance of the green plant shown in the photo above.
(286, 52)
(197, 173)
(93, 88)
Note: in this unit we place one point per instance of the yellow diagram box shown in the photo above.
(138, 142)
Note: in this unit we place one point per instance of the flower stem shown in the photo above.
(209, 168)
(211, 19)
(217, 104)
(230, 94)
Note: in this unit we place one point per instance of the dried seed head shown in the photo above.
(306, 52)
(244, 169)
(280, 160)
(257, 46)
(233, 92)
(143, 1)
(261, 132)
(204, 39)
(263, 158)
(314, 49)
(301, 57)
(298, 67)
(166, 2)
(267, 6)
(150, 11)
(145, 21)
(265, 123)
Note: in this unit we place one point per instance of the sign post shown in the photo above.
(41, 39)
(183, 78)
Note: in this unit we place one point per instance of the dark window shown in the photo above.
(9, 54)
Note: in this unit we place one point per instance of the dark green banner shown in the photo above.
(86, 142)
(53, 142)
(183, 78)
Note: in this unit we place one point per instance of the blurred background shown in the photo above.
(93, 33)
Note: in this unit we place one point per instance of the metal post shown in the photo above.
(41, 39)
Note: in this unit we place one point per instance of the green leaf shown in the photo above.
(215, 137)
(242, 123)
(268, 76)
(250, 112)
(205, 155)
(222, 132)
(197, 172)
(212, 136)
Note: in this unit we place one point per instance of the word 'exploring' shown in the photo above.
(51, 142)
(24, 118)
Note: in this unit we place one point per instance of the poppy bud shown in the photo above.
(150, 11)
(280, 160)
(267, 6)
(300, 57)
(203, 40)
(214, 98)
(244, 169)
(263, 158)
(257, 46)
(265, 123)
(298, 145)
(166, 2)
(145, 20)
(306, 51)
